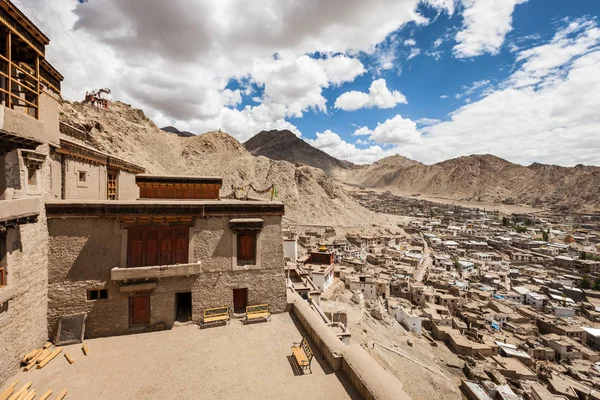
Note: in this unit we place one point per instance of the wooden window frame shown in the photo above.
(176, 257)
(111, 184)
(82, 174)
(3, 264)
(98, 296)
(239, 250)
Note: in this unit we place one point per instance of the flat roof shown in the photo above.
(199, 208)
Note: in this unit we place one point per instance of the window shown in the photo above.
(82, 176)
(139, 310)
(111, 185)
(32, 176)
(246, 248)
(97, 294)
(157, 246)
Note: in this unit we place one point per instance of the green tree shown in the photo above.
(505, 221)
(585, 282)
(545, 235)
(596, 285)
(582, 255)
(520, 229)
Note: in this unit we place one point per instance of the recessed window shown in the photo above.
(31, 176)
(246, 249)
(3, 259)
(82, 176)
(97, 294)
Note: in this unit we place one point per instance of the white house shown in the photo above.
(410, 318)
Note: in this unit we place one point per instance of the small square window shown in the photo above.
(82, 176)
(97, 294)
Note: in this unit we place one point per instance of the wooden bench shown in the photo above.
(303, 354)
(215, 316)
(260, 311)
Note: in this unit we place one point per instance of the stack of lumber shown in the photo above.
(40, 357)
(26, 393)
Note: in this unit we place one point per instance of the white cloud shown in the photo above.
(438, 42)
(334, 145)
(485, 25)
(396, 130)
(413, 53)
(427, 121)
(475, 86)
(379, 96)
(444, 96)
(410, 42)
(175, 59)
(547, 111)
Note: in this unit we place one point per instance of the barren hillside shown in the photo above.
(284, 145)
(310, 196)
(489, 179)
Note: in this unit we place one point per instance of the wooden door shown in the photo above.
(151, 246)
(246, 247)
(166, 246)
(240, 300)
(180, 245)
(140, 310)
(136, 247)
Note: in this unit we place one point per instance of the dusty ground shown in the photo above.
(422, 369)
(222, 362)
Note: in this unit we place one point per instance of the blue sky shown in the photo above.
(428, 79)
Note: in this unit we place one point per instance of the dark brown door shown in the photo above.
(166, 246)
(140, 310)
(181, 245)
(240, 300)
(246, 247)
(136, 247)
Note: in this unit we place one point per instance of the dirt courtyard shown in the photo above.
(221, 362)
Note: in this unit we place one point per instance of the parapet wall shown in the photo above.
(370, 379)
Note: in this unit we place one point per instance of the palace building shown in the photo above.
(84, 233)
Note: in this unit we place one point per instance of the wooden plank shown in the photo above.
(30, 355)
(8, 391)
(47, 345)
(9, 70)
(61, 395)
(18, 393)
(49, 358)
(45, 354)
(69, 358)
(30, 396)
(85, 349)
(46, 395)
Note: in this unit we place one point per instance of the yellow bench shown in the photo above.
(215, 315)
(303, 354)
(260, 311)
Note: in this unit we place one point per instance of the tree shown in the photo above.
(505, 221)
(585, 282)
(545, 235)
(596, 285)
(520, 229)
(582, 255)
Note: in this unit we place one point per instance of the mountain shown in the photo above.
(487, 178)
(475, 178)
(310, 196)
(172, 129)
(284, 145)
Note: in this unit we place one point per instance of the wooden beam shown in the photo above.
(61, 395)
(69, 358)
(30, 355)
(20, 391)
(47, 345)
(30, 396)
(49, 358)
(46, 395)
(37, 86)
(8, 391)
(43, 356)
(9, 69)
(85, 349)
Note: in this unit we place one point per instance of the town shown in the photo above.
(516, 297)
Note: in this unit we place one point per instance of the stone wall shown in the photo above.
(94, 187)
(23, 319)
(126, 187)
(84, 250)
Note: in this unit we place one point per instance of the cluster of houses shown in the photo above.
(518, 298)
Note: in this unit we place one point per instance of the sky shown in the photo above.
(360, 80)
